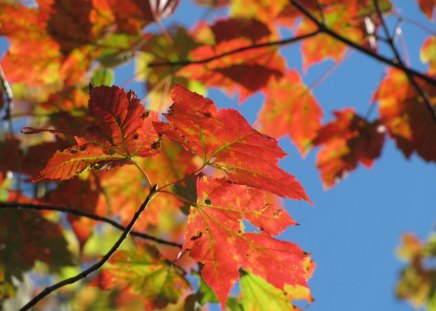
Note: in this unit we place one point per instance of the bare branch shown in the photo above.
(231, 52)
(323, 28)
(8, 91)
(394, 49)
(43, 207)
(99, 263)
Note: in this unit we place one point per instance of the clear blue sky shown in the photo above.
(354, 228)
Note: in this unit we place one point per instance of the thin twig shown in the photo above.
(397, 55)
(231, 52)
(324, 29)
(99, 263)
(43, 207)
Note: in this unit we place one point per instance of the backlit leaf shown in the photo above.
(245, 71)
(345, 142)
(291, 109)
(123, 130)
(216, 238)
(428, 54)
(406, 116)
(146, 273)
(427, 7)
(224, 139)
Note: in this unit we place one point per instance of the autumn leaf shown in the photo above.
(263, 10)
(132, 16)
(406, 116)
(345, 142)
(123, 130)
(244, 71)
(290, 108)
(232, 28)
(257, 294)
(216, 238)
(428, 52)
(159, 80)
(417, 280)
(143, 271)
(28, 237)
(349, 19)
(224, 139)
(79, 195)
(427, 7)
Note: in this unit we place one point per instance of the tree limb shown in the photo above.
(99, 263)
(231, 52)
(44, 207)
(324, 29)
(391, 43)
(8, 91)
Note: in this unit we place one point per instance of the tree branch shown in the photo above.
(8, 91)
(231, 52)
(99, 263)
(391, 43)
(43, 207)
(324, 29)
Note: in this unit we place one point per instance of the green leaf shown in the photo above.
(103, 77)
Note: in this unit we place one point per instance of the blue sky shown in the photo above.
(354, 228)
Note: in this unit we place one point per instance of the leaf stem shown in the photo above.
(43, 207)
(143, 172)
(178, 197)
(99, 263)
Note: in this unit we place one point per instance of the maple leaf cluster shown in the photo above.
(211, 181)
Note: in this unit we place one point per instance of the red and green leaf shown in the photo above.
(144, 272)
(428, 54)
(215, 237)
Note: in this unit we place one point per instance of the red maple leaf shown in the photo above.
(224, 139)
(216, 238)
(124, 130)
(345, 142)
(406, 116)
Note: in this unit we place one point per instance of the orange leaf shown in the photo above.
(290, 108)
(406, 115)
(428, 54)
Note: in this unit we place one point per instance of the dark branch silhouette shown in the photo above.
(44, 207)
(394, 63)
(99, 263)
(391, 43)
(231, 52)
(8, 92)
